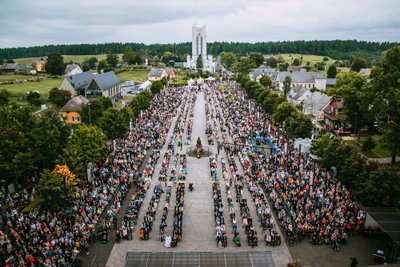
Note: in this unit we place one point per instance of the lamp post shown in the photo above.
(90, 117)
(355, 123)
(334, 172)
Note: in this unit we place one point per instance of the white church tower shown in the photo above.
(199, 48)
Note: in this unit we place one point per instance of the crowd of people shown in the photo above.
(308, 201)
(45, 238)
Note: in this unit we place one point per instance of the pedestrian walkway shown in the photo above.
(198, 218)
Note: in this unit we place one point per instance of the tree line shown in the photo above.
(334, 48)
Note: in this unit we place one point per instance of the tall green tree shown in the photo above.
(228, 59)
(266, 81)
(5, 96)
(33, 98)
(52, 137)
(284, 111)
(129, 56)
(59, 97)
(287, 82)
(386, 85)
(351, 87)
(55, 64)
(299, 125)
(257, 58)
(51, 192)
(271, 102)
(332, 71)
(296, 62)
(245, 65)
(114, 123)
(112, 59)
(87, 144)
(357, 64)
(156, 87)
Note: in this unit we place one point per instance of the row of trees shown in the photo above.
(373, 183)
(296, 124)
(334, 48)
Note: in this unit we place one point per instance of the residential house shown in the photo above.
(171, 73)
(298, 94)
(257, 74)
(71, 111)
(330, 82)
(295, 68)
(15, 68)
(105, 84)
(157, 74)
(77, 83)
(332, 122)
(315, 104)
(72, 69)
(304, 79)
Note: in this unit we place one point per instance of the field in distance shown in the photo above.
(306, 58)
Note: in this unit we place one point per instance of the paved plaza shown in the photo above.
(198, 218)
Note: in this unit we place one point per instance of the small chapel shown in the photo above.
(199, 49)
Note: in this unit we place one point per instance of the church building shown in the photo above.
(199, 49)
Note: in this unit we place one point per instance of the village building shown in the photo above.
(71, 111)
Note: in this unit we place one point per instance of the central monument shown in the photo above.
(199, 49)
(199, 148)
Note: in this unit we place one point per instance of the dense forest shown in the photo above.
(338, 49)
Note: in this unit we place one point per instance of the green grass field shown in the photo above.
(43, 86)
(138, 76)
(310, 58)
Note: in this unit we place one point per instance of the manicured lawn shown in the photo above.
(311, 58)
(43, 86)
(377, 152)
(138, 76)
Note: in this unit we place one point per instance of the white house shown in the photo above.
(315, 104)
(298, 94)
(72, 69)
(303, 79)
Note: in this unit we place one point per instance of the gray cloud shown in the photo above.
(26, 23)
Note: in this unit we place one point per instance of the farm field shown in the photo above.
(138, 76)
(306, 58)
(43, 86)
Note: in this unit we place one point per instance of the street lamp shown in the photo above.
(355, 123)
(334, 172)
(90, 117)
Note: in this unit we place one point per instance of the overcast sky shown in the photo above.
(40, 22)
